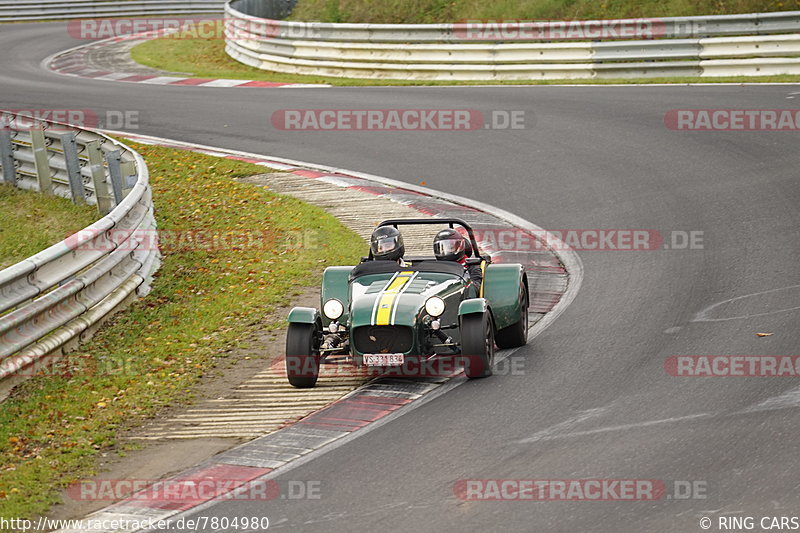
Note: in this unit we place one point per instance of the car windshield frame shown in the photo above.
(422, 265)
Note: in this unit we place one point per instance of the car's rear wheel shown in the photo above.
(477, 345)
(516, 334)
(302, 355)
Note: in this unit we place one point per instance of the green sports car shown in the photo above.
(403, 315)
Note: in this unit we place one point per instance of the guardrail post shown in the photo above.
(73, 168)
(104, 200)
(7, 158)
(114, 160)
(41, 161)
(129, 174)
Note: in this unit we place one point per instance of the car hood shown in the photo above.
(396, 299)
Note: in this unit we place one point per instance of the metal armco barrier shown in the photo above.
(731, 45)
(26, 10)
(53, 300)
(269, 9)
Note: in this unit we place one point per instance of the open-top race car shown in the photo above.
(402, 314)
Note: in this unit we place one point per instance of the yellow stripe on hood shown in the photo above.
(387, 299)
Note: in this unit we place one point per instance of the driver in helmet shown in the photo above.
(450, 245)
(386, 244)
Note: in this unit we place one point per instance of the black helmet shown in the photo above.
(450, 245)
(468, 251)
(386, 243)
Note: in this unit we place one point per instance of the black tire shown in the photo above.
(477, 345)
(302, 355)
(516, 334)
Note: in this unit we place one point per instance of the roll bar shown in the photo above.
(429, 221)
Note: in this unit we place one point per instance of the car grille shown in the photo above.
(383, 339)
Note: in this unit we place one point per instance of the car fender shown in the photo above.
(336, 284)
(501, 284)
(472, 306)
(304, 315)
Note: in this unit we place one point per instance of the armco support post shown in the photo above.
(73, 168)
(104, 200)
(129, 174)
(114, 160)
(41, 161)
(7, 158)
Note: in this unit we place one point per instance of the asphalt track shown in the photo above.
(593, 400)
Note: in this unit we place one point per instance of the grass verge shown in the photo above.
(33, 221)
(432, 11)
(206, 58)
(207, 299)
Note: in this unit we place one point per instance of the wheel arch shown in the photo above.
(501, 290)
(336, 284)
(474, 306)
(305, 315)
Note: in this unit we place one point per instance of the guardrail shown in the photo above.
(726, 45)
(53, 300)
(29, 10)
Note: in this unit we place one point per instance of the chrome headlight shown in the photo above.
(333, 309)
(434, 306)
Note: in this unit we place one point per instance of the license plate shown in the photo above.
(383, 359)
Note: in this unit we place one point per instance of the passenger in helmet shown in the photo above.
(386, 244)
(450, 245)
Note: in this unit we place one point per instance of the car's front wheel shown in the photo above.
(477, 344)
(302, 355)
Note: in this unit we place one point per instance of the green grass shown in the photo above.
(31, 222)
(205, 302)
(431, 11)
(206, 58)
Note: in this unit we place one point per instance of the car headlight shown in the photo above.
(434, 306)
(333, 309)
